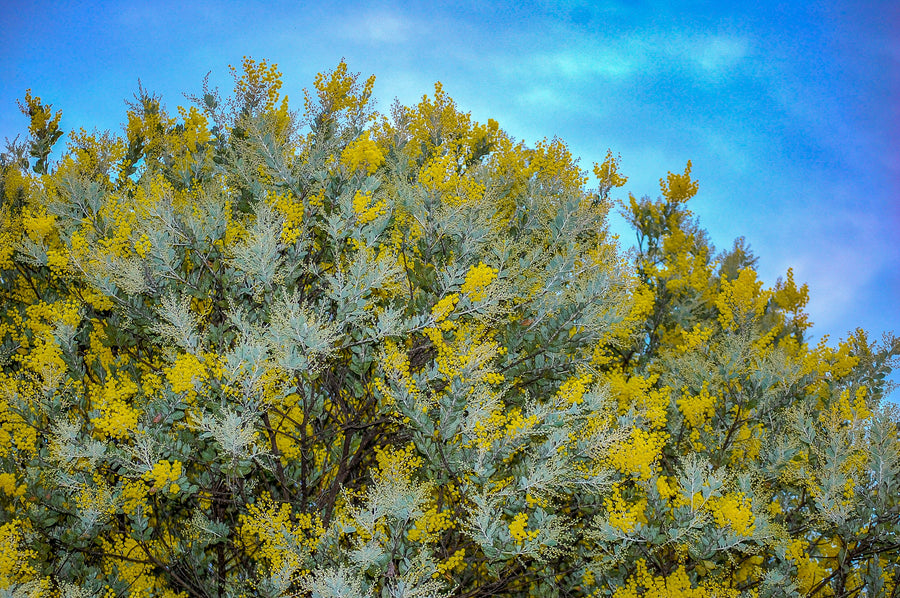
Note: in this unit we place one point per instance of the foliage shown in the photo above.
(252, 352)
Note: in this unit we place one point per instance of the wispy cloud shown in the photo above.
(543, 97)
(719, 53)
(587, 59)
(379, 27)
(840, 253)
(836, 285)
(586, 62)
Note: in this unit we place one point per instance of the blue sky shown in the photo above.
(788, 110)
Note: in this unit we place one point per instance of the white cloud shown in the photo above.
(585, 59)
(839, 256)
(719, 54)
(379, 27)
(607, 63)
(543, 97)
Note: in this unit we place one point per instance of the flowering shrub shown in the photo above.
(252, 352)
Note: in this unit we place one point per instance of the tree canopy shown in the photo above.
(250, 350)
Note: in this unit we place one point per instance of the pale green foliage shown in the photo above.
(249, 353)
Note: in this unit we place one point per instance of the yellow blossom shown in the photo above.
(444, 307)
(734, 511)
(477, 280)
(365, 210)
(571, 392)
(164, 473)
(363, 154)
(517, 529)
(15, 560)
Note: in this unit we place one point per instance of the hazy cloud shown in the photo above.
(719, 54)
(379, 26)
(585, 59)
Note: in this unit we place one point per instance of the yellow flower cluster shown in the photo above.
(442, 178)
(477, 280)
(365, 210)
(438, 122)
(643, 303)
(291, 210)
(749, 569)
(637, 455)
(8, 485)
(284, 539)
(588, 578)
(509, 165)
(15, 434)
(289, 425)
(429, 527)
(696, 338)
(809, 571)
(397, 464)
(444, 307)
(740, 299)
(792, 299)
(118, 417)
(499, 425)
(517, 529)
(678, 188)
(143, 245)
(608, 173)
(164, 473)
(134, 497)
(15, 560)
(196, 131)
(151, 382)
(571, 392)
(666, 486)
(259, 78)
(747, 443)
(395, 362)
(493, 378)
(58, 262)
(97, 498)
(96, 299)
(6, 251)
(734, 511)
(622, 514)
(98, 351)
(854, 410)
(42, 118)
(835, 363)
(644, 584)
(552, 162)
(187, 371)
(455, 563)
(44, 357)
(38, 224)
(150, 128)
(686, 269)
(91, 153)
(697, 409)
(533, 500)
(516, 423)
(638, 393)
(338, 91)
(123, 217)
(129, 560)
(472, 346)
(362, 154)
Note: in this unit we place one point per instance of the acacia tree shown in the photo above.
(248, 351)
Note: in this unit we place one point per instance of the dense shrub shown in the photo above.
(252, 352)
